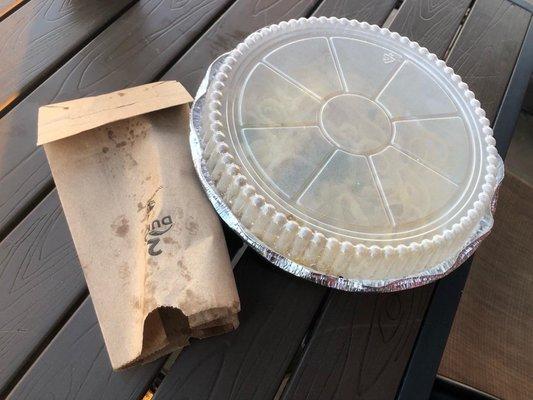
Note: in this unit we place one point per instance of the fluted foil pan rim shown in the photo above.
(347, 284)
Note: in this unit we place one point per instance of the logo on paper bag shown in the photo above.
(156, 229)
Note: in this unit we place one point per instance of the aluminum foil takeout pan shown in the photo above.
(346, 154)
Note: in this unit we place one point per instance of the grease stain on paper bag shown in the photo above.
(154, 254)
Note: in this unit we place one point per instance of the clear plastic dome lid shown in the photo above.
(352, 132)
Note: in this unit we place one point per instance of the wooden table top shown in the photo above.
(296, 339)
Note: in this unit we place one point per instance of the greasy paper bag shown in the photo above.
(149, 243)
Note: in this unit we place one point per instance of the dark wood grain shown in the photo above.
(486, 50)
(241, 19)
(132, 51)
(75, 365)
(39, 34)
(359, 347)
(40, 278)
(250, 362)
(432, 24)
(371, 11)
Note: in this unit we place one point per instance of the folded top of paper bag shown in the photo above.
(60, 120)
(150, 245)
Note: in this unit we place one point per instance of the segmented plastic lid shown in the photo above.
(348, 148)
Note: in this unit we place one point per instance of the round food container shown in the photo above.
(346, 154)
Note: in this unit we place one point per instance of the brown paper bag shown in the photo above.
(150, 245)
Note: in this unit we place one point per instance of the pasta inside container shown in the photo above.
(347, 150)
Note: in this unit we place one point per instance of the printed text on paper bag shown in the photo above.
(156, 229)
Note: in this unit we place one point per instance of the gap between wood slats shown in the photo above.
(459, 30)
(392, 14)
(8, 227)
(315, 8)
(305, 341)
(8, 7)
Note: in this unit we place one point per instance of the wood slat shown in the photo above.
(514, 98)
(486, 50)
(38, 35)
(40, 278)
(359, 347)
(432, 24)
(75, 365)
(249, 362)
(132, 51)
(422, 21)
(365, 340)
